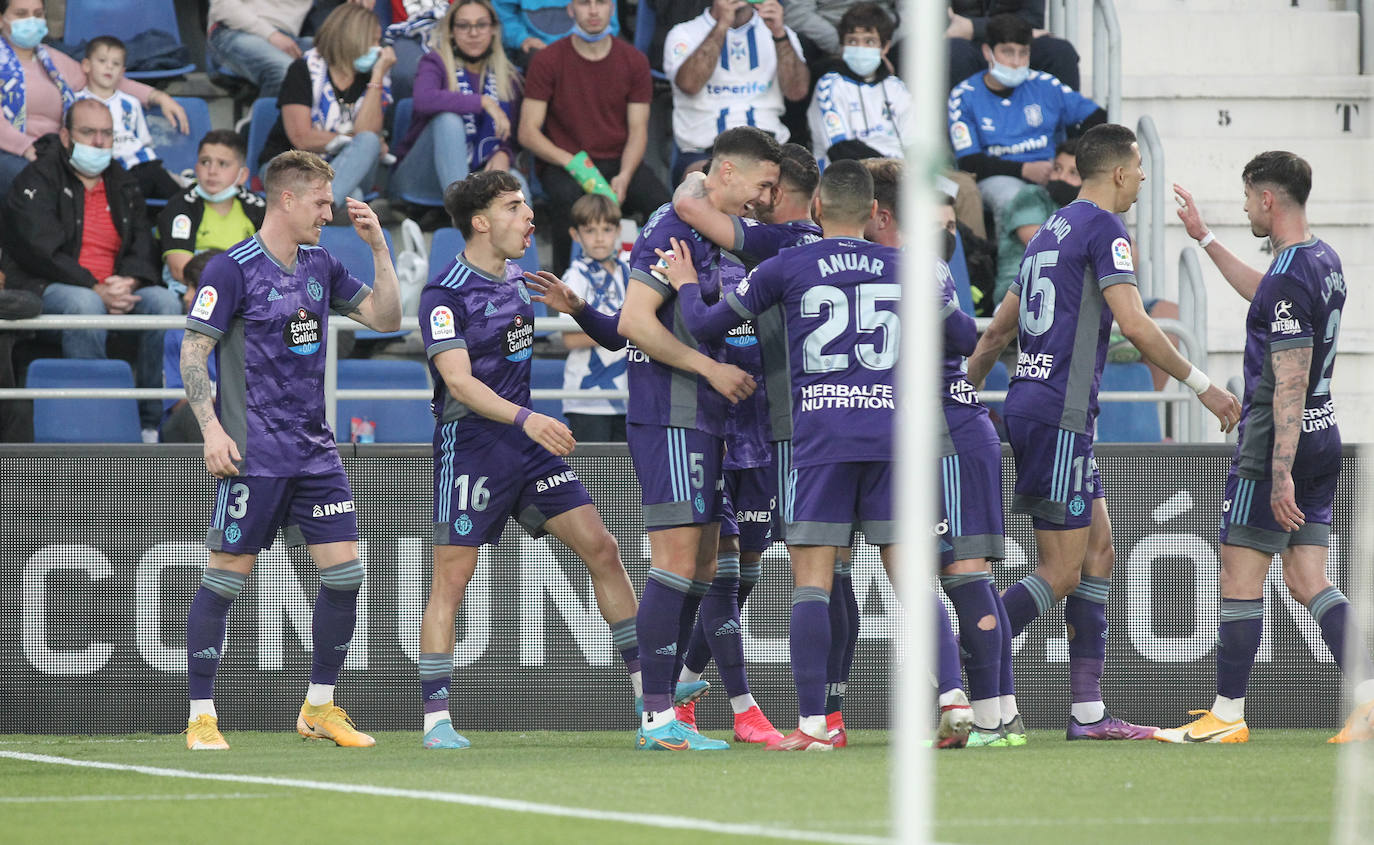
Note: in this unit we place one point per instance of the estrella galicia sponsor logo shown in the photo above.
(742, 335)
(463, 526)
(545, 484)
(302, 332)
(1076, 505)
(699, 503)
(232, 533)
(331, 509)
(315, 289)
(519, 340)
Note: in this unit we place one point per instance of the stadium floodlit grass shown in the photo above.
(1278, 788)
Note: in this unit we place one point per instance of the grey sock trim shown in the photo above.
(625, 633)
(949, 582)
(670, 580)
(804, 594)
(223, 582)
(698, 588)
(727, 566)
(345, 576)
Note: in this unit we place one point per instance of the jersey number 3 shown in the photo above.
(870, 318)
(1037, 292)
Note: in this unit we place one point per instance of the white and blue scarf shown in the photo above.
(13, 86)
(326, 112)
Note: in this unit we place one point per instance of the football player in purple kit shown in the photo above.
(262, 308)
(843, 403)
(1282, 482)
(494, 458)
(1076, 275)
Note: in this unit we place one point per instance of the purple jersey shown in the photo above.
(270, 322)
(493, 319)
(659, 394)
(1065, 322)
(1298, 304)
(960, 409)
(839, 299)
(755, 241)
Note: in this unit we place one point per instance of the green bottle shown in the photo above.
(584, 171)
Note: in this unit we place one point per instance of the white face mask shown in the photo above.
(1009, 76)
(863, 60)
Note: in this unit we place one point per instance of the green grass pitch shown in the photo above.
(1278, 788)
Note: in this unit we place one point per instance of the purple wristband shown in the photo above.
(520, 417)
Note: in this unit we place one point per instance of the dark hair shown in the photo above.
(67, 118)
(225, 138)
(887, 179)
(846, 192)
(464, 199)
(866, 16)
(1007, 29)
(191, 272)
(1283, 170)
(798, 169)
(595, 208)
(746, 142)
(1102, 148)
(1067, 147)
(104, 41)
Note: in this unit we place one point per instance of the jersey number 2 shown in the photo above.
(1333, 327)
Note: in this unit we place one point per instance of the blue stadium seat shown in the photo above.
(400, 124)
(344, 244)
(645, 21)
(397, 420)
(124, 19)
(547, 374)
(83, 420)
(1128, 422)
(260, 120)
(178, 151)
(447, 243)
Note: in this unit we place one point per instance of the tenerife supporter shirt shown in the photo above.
(1064, 321)
(493, 319)
(742, 89)
(271, 323)
(595, 368)
(1022, 124)
(660, 394)
(1298, 304)
(839, 299)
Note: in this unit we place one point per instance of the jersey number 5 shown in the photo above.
(1037, 292)
(869, 318)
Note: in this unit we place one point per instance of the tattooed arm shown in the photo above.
(220, 450)
(1290, 389)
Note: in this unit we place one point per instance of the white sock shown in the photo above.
(1364, 691)
(319, 695)
(202, 707)
(637, 682)
(814, 726)
(657, 720)
(688, 676)
(432, 719)
(954, 696)
(1008, 706)
(1087, 712)
(987, 713)
(1229, 709)
(742, 703)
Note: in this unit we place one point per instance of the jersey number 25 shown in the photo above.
(869, 318)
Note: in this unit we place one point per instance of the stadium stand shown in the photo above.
(394, 420)
(83, 420)
(1128, 422)
(260, 120)
(547, 374)
(177, 150)
(125, 19)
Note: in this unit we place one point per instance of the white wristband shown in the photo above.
(1206, 240)
(1197, 380)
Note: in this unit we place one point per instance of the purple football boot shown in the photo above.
(1108, 727)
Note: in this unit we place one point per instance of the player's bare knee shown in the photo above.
(603, 554)
(987, 623)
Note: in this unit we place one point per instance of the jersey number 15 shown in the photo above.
(1037, 292)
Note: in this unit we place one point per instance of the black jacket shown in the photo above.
(43, 218)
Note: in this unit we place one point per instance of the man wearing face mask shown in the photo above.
(1031, 206)
(1004, 122)
(858, 97)
(76, 234)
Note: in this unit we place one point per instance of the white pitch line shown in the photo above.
(484, 801)
(1066, 821)
(64, 799)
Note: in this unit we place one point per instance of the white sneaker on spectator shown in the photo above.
(149, 435)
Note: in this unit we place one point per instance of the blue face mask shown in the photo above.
(586, 36)
(364, 63)
(219, 196)
(863, 60)
(27, 33)
(90, 161)
(1009, 76)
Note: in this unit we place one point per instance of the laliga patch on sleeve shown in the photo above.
(206, 298)
(743, 287)
(1121, 255)
(959, 136)
(181, 227)
(441, 325)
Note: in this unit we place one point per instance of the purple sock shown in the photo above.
(749, 572)
(436, 676)
(698, 653)
(1238, 638)
(846, 589)
(205, 626)
(1331, 609)
(657, 623)
(1007, 685)
(810, 643)
(719, 618)
(975, 600)
(336, 612)
(1027, 599)
(687, 620)
(947, 651)
(626, 640)
(836, 668)
(1085, 617)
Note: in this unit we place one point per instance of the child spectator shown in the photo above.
(178, 422)
(599, 277)
(217, 211)
(133, 143)
(858, 97)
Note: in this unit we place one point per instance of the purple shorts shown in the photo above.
(486, 474)
(971, 504)
(826, 501)
(1055, 484)
(679, 475)
(309, 509)
(750, 507)
(1248, 520)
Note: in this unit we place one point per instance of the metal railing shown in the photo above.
(1107, 58)
(1149, 212)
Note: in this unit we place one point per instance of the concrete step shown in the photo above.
(1224, 43)
(1228, 107)
(1342, 167)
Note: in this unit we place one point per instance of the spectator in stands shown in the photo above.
(967, 32)
(467, 100)
(1032, 206)
(590, 94)
(859, 97)
(37, 85)
(133, 144)
(76, 233)
(1004, 122)
(528, 26)
(979, 262)
(732, 65)
(598, 277)
(332, 100)
(179, 423)
(16, 415)
(258, 39)
(412, 22)
(216, 212)
(818, 21)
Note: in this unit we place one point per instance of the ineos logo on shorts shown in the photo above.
(332, 509)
